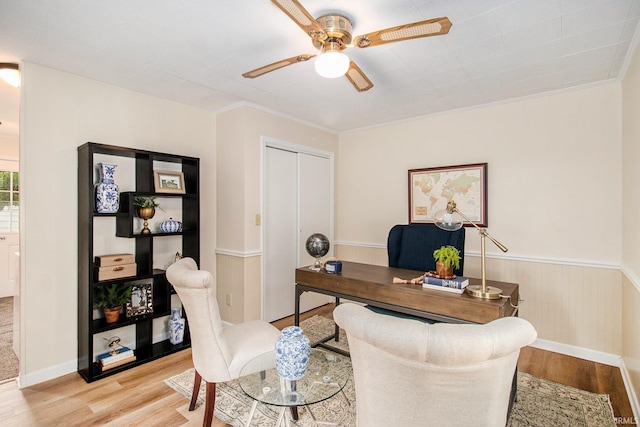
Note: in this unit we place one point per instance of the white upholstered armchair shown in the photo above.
(410, 373)
(218, 352)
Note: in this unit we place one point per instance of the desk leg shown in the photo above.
(294, 409)
(514, 390)
(296, 316)
(337, 328)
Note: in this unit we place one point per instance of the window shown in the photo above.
(9, 201)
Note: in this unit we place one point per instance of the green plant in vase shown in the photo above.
(447, 257)
(110, 299)
(146, 209)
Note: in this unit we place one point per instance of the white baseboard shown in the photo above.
(633, 397)
(33, 378)
(579, 352)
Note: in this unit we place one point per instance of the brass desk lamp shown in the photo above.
(449, 219)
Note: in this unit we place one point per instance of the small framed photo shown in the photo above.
(430, 190)
(169, 182)
(141, 300)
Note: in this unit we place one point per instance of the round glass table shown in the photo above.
(326, 376)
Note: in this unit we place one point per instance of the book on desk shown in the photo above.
(456, 284)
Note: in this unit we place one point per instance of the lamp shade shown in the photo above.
(450, 221)
(10, 73)
(332, 63)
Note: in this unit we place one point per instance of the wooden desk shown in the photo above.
(373, 285)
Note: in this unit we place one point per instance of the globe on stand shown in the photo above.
(317, 246)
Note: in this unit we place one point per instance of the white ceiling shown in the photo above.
(195, 51)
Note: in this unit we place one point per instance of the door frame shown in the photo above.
(269, 142)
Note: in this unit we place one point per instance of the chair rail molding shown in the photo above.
(238, 254)
(631, 276)
(540, 260)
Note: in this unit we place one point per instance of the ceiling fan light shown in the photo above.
(332, 64)
(10, 73)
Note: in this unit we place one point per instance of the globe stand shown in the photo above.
(317, 266)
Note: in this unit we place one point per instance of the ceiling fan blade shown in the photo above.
(430, 27)
(358, 78)
(300, 16)
(276, 65)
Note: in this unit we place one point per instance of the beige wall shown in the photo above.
(240, 134)
(630, 223)
(553, 183)
(60, 112)
(9, 146)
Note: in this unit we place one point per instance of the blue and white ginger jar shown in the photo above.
(107, 192)
(292, 353)
(171, 226)
(176, 327)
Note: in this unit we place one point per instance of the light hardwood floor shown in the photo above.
(138, 397)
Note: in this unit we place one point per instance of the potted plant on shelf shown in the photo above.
(146, 209)
(110, 299)
(446, 258)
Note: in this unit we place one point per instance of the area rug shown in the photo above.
(540, 403)
(8, 359)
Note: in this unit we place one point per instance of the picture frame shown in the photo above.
(141, 301)
(168, 182)
(430, 189)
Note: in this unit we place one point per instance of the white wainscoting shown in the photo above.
(238, 275)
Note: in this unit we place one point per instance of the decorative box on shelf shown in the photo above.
(115, 266)
(114, 259)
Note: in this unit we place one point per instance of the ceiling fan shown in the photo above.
(331, 34)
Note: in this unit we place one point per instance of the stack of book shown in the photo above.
(456, 284)
(116, 358)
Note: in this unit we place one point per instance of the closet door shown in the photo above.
(280, 233)
(314, 203)
(297, 204)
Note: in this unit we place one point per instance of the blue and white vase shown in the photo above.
(171, 226)
(107, 192)
(176, 327)
(292, 353)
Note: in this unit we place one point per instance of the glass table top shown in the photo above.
(326, 376)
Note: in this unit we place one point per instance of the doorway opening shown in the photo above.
(9, 232)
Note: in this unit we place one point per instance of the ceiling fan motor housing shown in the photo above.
(337, 27)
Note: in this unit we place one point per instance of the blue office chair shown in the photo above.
(411, 246)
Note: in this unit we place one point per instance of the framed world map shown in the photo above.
(430, 189)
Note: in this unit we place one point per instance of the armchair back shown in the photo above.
(409, 373)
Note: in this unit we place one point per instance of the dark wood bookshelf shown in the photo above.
(90, 323)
